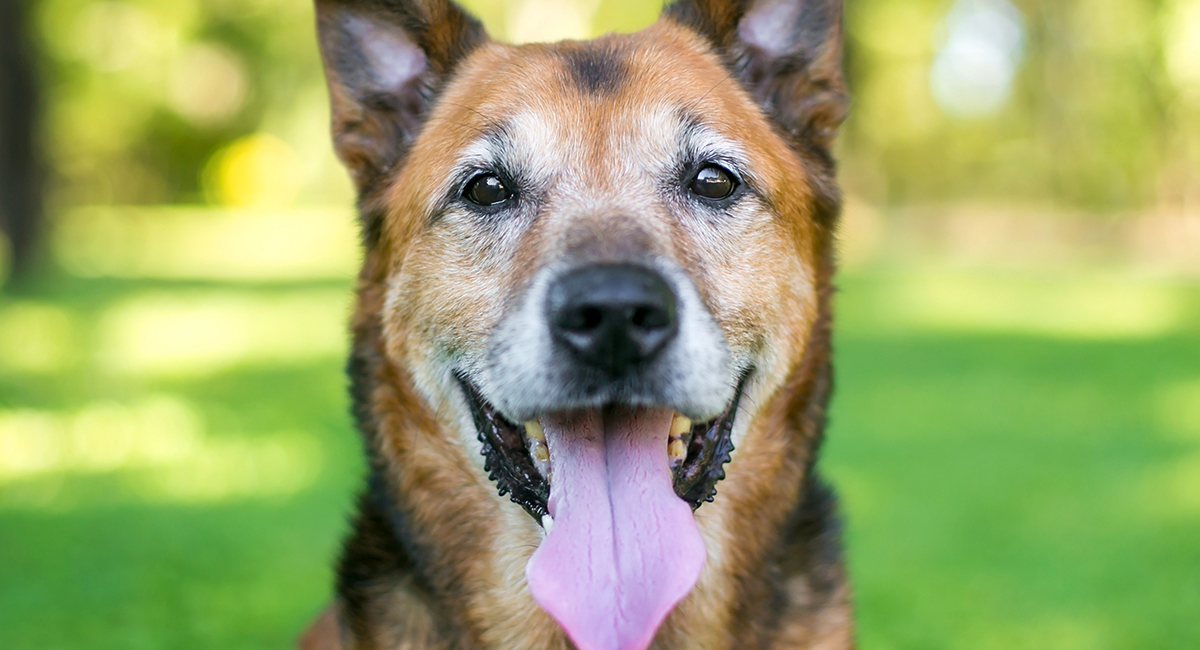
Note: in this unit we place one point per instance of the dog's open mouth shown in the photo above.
(614, 489)
(517, 457)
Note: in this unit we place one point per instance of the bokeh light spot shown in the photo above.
(160, 446)
(257, 171)
(535, 21)
(275, 465)
(179, 336)
(183, 243)
(1182, 48)
(208, 84)
(1085, 308)
(112, 36)
(973, 72)
(102, 436)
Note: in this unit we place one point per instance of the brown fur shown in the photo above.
(436, 558)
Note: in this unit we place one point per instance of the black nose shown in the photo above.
(612, 317)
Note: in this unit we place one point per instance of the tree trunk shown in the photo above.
(20, 169)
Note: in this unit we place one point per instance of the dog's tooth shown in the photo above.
(676, 449)
(680, 425)
(540, 454)
(533, 429)
(547, 523)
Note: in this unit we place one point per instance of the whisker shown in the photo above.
(706, 94)
(468, 108)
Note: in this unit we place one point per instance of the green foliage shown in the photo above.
(1104, 112)
(1095, 119)
(142, 95)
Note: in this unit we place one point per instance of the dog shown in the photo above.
(591, 347)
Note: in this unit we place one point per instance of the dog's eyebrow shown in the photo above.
(690, 124)
(494, 133)
(486, 151)
(701, 140)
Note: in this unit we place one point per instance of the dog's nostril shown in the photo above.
(589, 318)
(649, 318)
(580, 320)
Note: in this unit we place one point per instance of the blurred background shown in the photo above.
(1016, 432)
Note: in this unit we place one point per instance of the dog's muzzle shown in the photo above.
(605, 406)
(597, 337)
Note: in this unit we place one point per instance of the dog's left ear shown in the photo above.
(385, 61)
(787, 54)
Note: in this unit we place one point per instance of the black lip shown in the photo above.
(509, 466)
(506, 458)
(710, 447)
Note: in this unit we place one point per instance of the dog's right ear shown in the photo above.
(786, 53)
(385, 61)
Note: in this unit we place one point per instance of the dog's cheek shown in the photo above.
(445, 300)
(776, 307)
(758, 286)
(794, 308)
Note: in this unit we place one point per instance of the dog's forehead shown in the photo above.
(594, 120)
(602, 101)
(613, 72)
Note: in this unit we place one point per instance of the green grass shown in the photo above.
(1004, 486)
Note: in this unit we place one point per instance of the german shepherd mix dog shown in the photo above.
(591, 350)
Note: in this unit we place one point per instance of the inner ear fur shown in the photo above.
(786, 53)
(385, 61)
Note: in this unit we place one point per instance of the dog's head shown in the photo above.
(597, 259)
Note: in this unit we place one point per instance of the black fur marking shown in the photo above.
(371, 551)
(596, 69)
(818, 528)
(371, 221)
(713, 19)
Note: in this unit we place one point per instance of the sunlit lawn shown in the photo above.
(176, 461)
(1016, 491)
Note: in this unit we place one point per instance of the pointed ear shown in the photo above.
(385, 60)
(787, 53)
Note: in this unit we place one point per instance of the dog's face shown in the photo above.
(633, 166)
(595, 262)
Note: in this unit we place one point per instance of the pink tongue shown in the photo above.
(623, 549)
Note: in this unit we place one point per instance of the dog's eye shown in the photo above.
(487, 189)
(713, 182)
